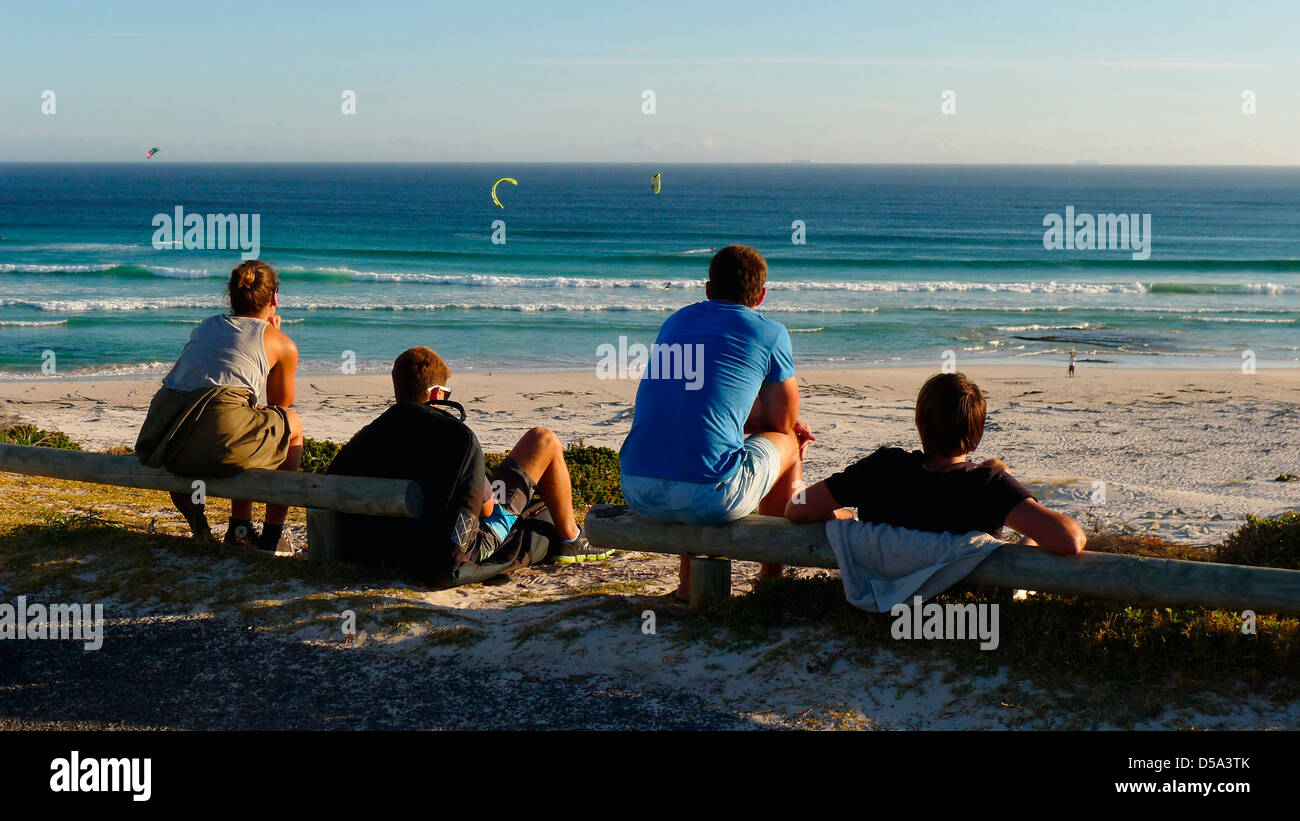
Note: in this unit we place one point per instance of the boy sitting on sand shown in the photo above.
(471, 529)
(935, 489)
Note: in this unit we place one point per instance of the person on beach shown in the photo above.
(1070, 372)
(936, 489)
(714, 446)
(474, 527)
(224, 407)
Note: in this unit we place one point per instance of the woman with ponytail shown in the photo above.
(224, 407)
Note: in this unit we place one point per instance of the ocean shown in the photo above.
(899, 264)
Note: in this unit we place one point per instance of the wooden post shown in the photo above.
(1132, 579)
(324, 536)
(348, 494)
(710, 579)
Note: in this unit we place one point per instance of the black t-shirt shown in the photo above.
(428, 445)
(892, 486)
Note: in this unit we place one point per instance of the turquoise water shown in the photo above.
(900, 263)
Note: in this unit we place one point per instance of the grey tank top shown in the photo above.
(225, 351)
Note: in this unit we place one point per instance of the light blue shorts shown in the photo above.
(737, 496)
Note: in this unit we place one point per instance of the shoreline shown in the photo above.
(1131, 364)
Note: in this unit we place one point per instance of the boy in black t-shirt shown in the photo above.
(935, 489)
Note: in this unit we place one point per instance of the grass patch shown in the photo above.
(74, 542)
(1149, 546)
(613, 588)
(550, 625)
(1091, 659)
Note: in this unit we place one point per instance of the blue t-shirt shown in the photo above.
(690, 427)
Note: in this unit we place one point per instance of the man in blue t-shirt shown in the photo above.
(712, 443)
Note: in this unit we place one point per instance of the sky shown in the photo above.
(845, 82)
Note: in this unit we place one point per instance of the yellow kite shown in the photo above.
(494, 189)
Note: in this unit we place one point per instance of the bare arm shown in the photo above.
(1053, 532)
(776, 408)
(284, 364)
(816, 505)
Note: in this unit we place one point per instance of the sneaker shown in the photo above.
(580, 550)
(284, 547)
(242, 536)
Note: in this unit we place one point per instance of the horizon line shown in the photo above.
(797, 162)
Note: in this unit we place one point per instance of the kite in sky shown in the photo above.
(152, 151)
(494, 189)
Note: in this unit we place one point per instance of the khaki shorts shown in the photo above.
(229, 435)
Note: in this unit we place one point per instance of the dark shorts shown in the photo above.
(512, 488)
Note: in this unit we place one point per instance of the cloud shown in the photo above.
(958, 63)
(945, 145)
(701, 144)
(689, 143)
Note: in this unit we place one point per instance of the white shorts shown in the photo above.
(737, 496)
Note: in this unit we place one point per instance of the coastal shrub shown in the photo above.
(15, 433)
(593, 471)
(317, 454)
(595, 475)
(1264, 543)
